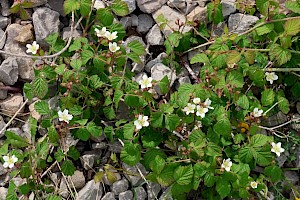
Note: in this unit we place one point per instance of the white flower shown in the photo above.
(32, 48)
(201, 111)
(226, 164)
(145, 82)
(99, 4)
(190, 108)
(253, 184)
(111, 36)
(271, 77)
(141, 121)
(207, 104)
(276, 148)
(196, 100)
(9, 161)
(257, 113)
(101, 33)
(64, 116)
(113, 47)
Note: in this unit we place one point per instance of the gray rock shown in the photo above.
(9, 71)
(2, 38)
(134, 20)
(58, 6)
(126, 22)
(158, 59)
(2, 170)
(199, 13)
(12, 104)
(70, 141)
(182, 80)
(5, 6)
(109, 196)
(2, 124)
(128, 195)
(153, 189)
(139, 76)
(135, 66)
(115, 147)
(134, 177)
(180, 4)
(292, 176)
(172, 16)
(228, 7)
(298, 158)
(3, 93)
(46, 22)
(18, 181)
(91, 190)
(100, 145)
(26, 130)
(114, 173)
(166, 195)
(3, 193)
(239, 23)
(66, 33)
(154, 36)
(35, 3)
(119, 186)
(202, 2)
(140, 193)
(25, 34)
(296, 124)
(63, 188)
(131, 5)
(145, 23)
(282, 158)
(149, 6)
(159, 71)
(88, 161)
(78, 179)
(276, 119)
(4, 21)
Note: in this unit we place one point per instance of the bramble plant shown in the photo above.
(205, 136)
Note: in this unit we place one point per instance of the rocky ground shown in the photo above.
(47, 17)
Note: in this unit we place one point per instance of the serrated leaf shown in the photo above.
(223, 187)
(243, 102)
(73, 153)
(279, 54)
(274, 172)
(85, 7)
(131, 154)
(250, 57)
(15, 140)
(166, 178)
(263, 6)
(76, 64)
(267, 97)
(158, 164)
(223, 127)
(68, 168)
(60, 69)
(94, 130)
(109, 113)
(283, 105)
(118, 94)
(292, 27)
(233, 57)
(42, 108)
(184, 174)
(83, 134)
(132, 100)
(209, 179)
(128, 131)
(27, 88)
(235, 78)
(105, 16)
(200, 58)
(157, 119)
(172, 121)
(40, 87)
(259, 140)
(76, 110)
(53, 136)
(293, 6)
(164, 85)
(25, 170)
(136, 47)
(267, 28)
(134, 57)
(99, 176)
(71, 5)
(120, 8)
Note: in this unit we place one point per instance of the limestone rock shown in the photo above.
(9, 71)
(172, 16)
(154, 36)
(2, 124)
(140, 193)
(134, 177)
(58, 6)
(159, 71)
(228, 7)
(145, 23)
(12, 104)
(91, 190)
(158, 59)
(46, 22)
(153, 190)
(149, 6)
(5, 6)
(119, 186)
(78, 179)
(25, 34)
(127, 195)
(3, 93)
(4, 21)
(66, 33)
(239, 23)
(199, 13)
(3, 193)
(109, 196)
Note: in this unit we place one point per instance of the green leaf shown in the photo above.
(27, 88)
(40, 87)
(120, 8)
(136, 47)
(54, 197)
(209, 179)
(105, 16)
(279, 54)
(53, 136)
(60, 69)
(76, 64)
(223, 127)
(25, 171)
(283, 105)
(267, 28)
(52, 38)
(250, 56)
(233, 57)
(109, 113)
(71, 5)
(86, 55)
(76, 110)
(109, 131)
(157, 119)
(262, 155)
(59, 155)
(293, 6)
(213, 150)
(263, 6)
(85, 7)
(131, 154)
(68, 168)
(235, 78)
(223, 187)
(165, 178)
(42, 108)
(82, 134)
(292, 27)
(128, 131)
(95, 131)
(172, 121)
(267, 97)
(172, 41)
(274, 172)
(132, 100)
(134, 57)
(200, 58)
(158, 164)
(15, 140)
(151, 139)
(214, 13)
(75, 46)
(259, 140)
(164, 85)
(73, 153)
(118, 94)
(184, 174)
(243, 102)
